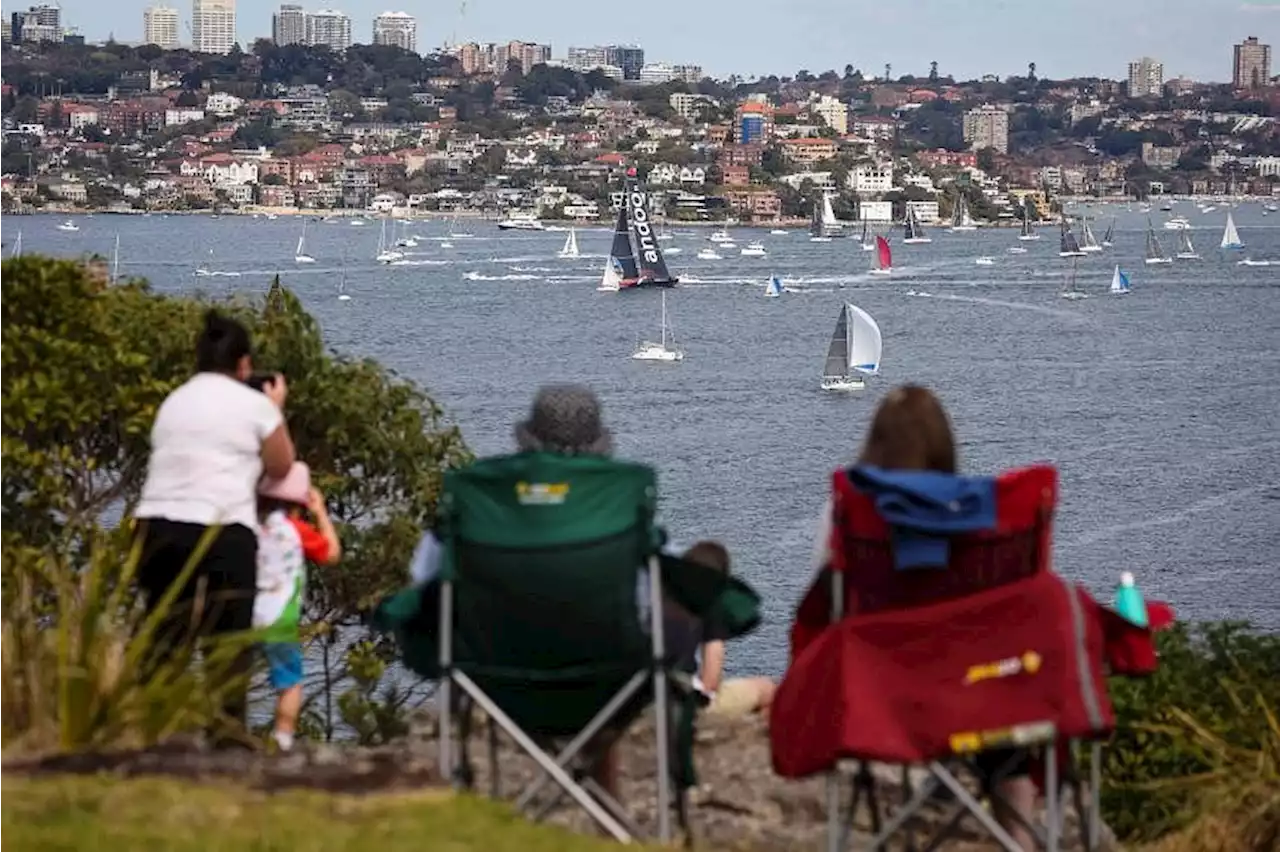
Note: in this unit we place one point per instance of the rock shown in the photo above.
(738, 804)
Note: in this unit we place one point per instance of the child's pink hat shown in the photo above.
(293, 487)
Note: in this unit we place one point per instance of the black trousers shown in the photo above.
(216, 599)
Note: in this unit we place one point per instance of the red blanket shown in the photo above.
(906, 686)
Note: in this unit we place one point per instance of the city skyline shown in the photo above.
(1191, 38)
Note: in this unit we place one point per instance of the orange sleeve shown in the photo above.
(315, 547)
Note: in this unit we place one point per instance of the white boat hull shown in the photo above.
(964, 227)
(1028, 237)
(752, 253)
(1090, 249)
(657, 353)
(1188, 255)
(304, 258)
(1155, 261)
(842, 383)
(914, 241)
(985, 261)
(1070, 254)
(881, 271)
(819, 239)
(1074, 295)
(868, 246)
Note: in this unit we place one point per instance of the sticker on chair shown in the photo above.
(541, 493)
(1029, 662)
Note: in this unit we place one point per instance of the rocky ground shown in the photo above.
(740, 804)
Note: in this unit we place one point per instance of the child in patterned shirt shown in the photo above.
(286, 543)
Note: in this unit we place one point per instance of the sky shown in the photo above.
(967, 38)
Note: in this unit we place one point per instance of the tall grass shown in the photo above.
(78, 662)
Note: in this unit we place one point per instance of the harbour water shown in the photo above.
(1160, 408)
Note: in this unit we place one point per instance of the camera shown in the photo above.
(259, 381)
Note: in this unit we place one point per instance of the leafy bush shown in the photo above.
(1203, 721)
(84, 368)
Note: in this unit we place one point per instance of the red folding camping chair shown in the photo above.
(933, 667)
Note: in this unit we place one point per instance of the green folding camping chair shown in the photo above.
(550, 603)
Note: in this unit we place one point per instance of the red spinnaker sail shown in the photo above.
(886, 257)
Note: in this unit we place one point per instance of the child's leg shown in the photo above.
(285, 659)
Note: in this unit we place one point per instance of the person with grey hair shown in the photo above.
(565, 419)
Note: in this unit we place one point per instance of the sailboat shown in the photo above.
(754, 249)
(16, 250)
(342, 285)
(1089, 243)
(825, 225)
(300, 253)
(961, 220)
(1067, 245)
(570, 245)
(1230, 237)
(1119, 283)
(408, 240)
(1028, 232)
(868, 244)
(913, 233)
(648, 351)
(774, 288)
(1186, 251)
(884, 258)
(1111, 229)
(1155, 251)
(854, 350)
(1072, 293)
(651, 267)
(115, 260)
(385, 253)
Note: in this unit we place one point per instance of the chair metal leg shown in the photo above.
(1052, 797)
(661, 700)
(905, 812)
(544, 760)
(944, 777)
(446, 682)
(1095, 796)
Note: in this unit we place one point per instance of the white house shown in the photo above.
(663, 174)
(871, 179)
(526, 159)
(220, 170)
(175, 116)
(695, 175)
(926, 211)
(876, 211)
(222, 103)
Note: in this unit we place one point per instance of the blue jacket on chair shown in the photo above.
(924, 509)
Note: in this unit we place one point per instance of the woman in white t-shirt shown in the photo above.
(212, 440)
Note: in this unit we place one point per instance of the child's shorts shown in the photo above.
(284, 661)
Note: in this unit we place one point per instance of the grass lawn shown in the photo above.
(83, 814)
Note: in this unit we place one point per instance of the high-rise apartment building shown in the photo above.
(39, 23)
(398, 29)
(1146, 78)
(627, 57)
(289, 25)
(213, 25)
(987, 127)
(329, 27)
(1251, 64)
(160, 26)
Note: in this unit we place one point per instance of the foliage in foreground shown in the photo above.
(1197, 753)
(156, 813)
(84, 368)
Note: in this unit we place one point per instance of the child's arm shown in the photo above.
(712, 669)
(315, 503)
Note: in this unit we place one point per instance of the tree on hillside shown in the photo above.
(933, 71)
(987, 160)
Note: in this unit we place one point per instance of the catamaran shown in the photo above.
(570, 245)
(824, 225)
(1111, 229)
(774, 288)
(854, 350)
(1119, 283)
(1230, 237)
(300, 253)
(961, 220)
(1067, 245)
(884, 258)
(912, 232)
(1089, 243)
(1028, 232)
(1186, 251)
(643, 265)
(648, 351)
(1155, 251)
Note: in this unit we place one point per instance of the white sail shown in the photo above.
(828, 215)
(115, 260)
(570, 244)
(1119, 281)
(300, 253)
(612, 279)
(865, 343)
(774, 288)
(1230, 238)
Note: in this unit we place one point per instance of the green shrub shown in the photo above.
(1191, 727)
